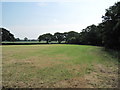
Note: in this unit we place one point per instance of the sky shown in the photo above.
(32, 18)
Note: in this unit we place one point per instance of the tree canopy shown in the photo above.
(111, 27)
(6, 35)
(59, 37)
(45, 37)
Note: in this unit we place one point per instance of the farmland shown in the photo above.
(58, 66)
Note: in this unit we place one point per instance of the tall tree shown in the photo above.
(65, 36)
(72, 37)
(91, 35)
(59, 37)
(40, 38)
(111, 30)
(25, 39)
(6, 35)
(45, 37)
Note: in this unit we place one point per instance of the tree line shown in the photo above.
(90, 36)
(106, 33)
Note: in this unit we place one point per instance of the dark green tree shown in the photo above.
(72, 37)
(111, 29)
(40, 38)
(91, 35)
(25, 39)
(6, 35)
(59, 37)
(17, 39)
(65, 36)
(45, 37)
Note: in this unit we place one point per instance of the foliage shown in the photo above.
(59, 37)
(25, 39)
(111, 29)
(91, 36)
(45, 37)
(17, 39)
(6, 35)
(72, 37)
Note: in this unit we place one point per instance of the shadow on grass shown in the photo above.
(113, 53)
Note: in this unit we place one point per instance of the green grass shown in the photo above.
(33, 64)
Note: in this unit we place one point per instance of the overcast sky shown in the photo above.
(30, 19)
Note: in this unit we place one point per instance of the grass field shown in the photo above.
(59, 66)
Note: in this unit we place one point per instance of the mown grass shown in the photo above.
(36, 65)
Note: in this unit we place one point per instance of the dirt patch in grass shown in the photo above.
(103, 77)
(77, 82)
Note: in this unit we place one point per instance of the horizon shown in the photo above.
(31, 19)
